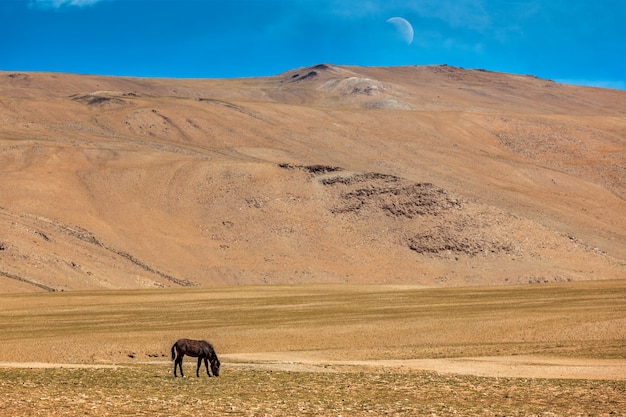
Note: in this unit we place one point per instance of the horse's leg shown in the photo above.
(206, 365)
(199, 364)
(179, 359)
(175, 365)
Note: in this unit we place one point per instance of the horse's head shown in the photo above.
(215, 365)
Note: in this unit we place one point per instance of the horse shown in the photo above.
(200, 349)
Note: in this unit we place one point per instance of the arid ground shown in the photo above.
(540, 349)
(354, 241)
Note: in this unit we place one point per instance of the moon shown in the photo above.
(403, 27)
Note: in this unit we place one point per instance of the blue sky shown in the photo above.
(576, 41)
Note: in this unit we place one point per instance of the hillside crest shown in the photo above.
(430, 175)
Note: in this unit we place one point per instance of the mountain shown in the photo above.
(426, 175)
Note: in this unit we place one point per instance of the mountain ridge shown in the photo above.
(423, 175)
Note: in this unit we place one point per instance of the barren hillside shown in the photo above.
(421, 175)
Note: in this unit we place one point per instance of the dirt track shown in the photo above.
(498, 367)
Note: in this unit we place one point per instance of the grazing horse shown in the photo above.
(198, 349)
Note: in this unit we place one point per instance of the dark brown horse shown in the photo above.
(198, 349)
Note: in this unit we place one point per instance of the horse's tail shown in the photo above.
(173, 353)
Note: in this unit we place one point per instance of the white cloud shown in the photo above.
(57, 4)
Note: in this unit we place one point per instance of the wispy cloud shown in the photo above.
(57, 4)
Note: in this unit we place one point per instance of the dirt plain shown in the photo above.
(537, 349)
(355, 241)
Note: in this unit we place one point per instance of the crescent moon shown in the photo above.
(403, 27)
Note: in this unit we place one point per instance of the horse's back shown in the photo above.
(182, 341)
(193, 347)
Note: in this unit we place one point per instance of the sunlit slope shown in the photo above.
(424, 175)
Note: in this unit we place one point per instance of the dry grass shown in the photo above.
(323, 324)
(151, 390)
